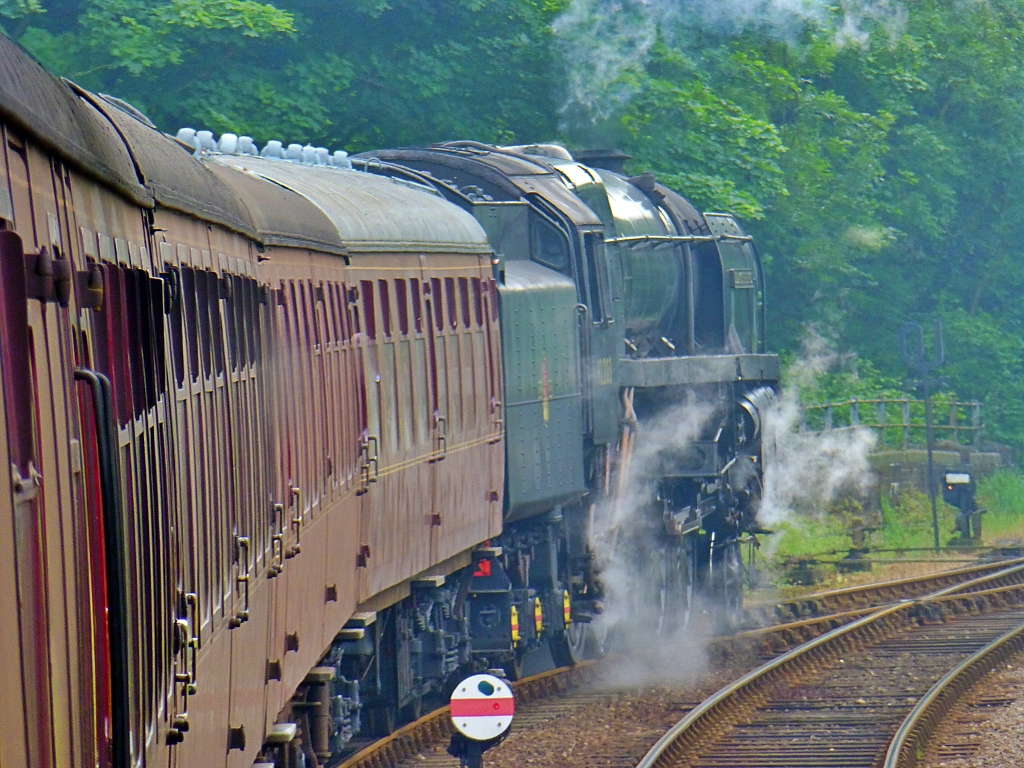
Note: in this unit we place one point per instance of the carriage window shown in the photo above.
(341, 291)
(306, 338)
(478, 307)
(369, 315)
(254, 313)
(330, 315)
(311, 315)
(260, 294)
(216, 322)
(156, 345)
(188, 297)
(177, 345)
(449, 298)
(417, 310)
(291, 315)
(135, 312)
(385, 306)
(146, 294)
(402, 299)
(236, 321)
(353, 299)
(464, 300)
(435, 297)
(203, 324)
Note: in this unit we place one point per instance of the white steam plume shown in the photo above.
(630, 571)
(604, 40)
(805, 471)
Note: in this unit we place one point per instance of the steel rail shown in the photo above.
(907, 747)
(850, 598)
(435, 727)
(716, 713)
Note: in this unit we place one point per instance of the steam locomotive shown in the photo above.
(295, 439)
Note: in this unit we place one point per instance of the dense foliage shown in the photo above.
(878, 165)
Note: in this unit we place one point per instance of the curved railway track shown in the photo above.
(775, 629)
(839, 699)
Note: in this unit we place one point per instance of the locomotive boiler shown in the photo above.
(296, 440)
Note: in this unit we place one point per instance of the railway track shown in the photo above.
(839, 699)
(772, 630)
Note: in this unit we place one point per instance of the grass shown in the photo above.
(1002, 495)
(806, 537)
(908, 522)
(904, 523)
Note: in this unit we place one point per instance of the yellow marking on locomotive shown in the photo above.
(538, 615)
(515, 626)
(566, 608)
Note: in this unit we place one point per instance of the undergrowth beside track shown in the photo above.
(903, 522)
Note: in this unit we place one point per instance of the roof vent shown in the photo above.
(228, 143)
(340, 159)
(273, 148)
(294, 152)
(322, 156)
(246, 146)
(188, 136)
(206, 142)
(309, 155)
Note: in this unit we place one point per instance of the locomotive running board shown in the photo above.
(697, 369)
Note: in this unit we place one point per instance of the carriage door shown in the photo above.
(437, 418)
(25, 694)
(364, 320)
(249, 531)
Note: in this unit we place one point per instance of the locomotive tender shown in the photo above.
(294, 443)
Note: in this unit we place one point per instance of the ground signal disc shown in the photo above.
(482, 707)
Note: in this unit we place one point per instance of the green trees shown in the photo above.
(359, 74)
(877, 158)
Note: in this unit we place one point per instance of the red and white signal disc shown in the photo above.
(482, 707)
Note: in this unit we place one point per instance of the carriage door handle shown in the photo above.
(499, 419)
(296, 548)
(180, 723)
(242, 544)
(368, 449)
(372, 457)
(186, 644)
(442, 438)
(276, 543)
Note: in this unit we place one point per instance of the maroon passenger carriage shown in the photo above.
(248, 406)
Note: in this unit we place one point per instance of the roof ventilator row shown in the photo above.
(230, 144)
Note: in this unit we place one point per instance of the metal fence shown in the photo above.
(899, 421)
